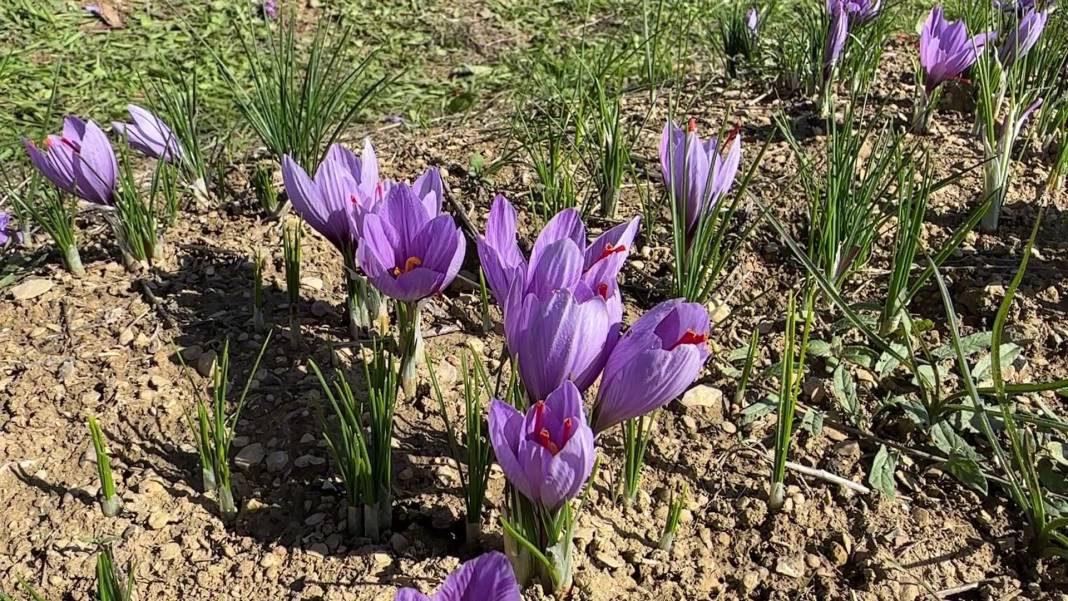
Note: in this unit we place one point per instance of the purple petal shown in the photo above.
(505, 432)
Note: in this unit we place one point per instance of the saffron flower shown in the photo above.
(562, 308)
(149, 135)
(946, 51)
(752, 21)
(407, 249)
(1023, 39)
(547, 454)
(504, 263)
(836, 36)
(270, 9)
(696, 172)
(488, 577)
(858, 11)
(81, 161)
(345, 187)
(658, 358)
(7, 232)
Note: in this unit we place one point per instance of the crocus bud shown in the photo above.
(149, 135)
(1019, 42)
(548, 454)
(658, 358)
(488, 577)
(81, 161)
(946, 51)
(696, 172)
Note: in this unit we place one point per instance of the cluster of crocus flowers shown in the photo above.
(697, 173)
(563, 315)
(946, 52)
(410, 251)
(333, 203)
(79, 161)
(488, 577)
(562, 308)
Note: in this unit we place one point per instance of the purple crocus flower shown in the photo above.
(548, 454)
(696, 172)
(1010, 6)
(1019, 43)
(654, 362)
(836, 36)
(562, 308)
(344, 189)
(270, 9)
(752, 21)
(150, 135)
(504, 263)
(81, 161)
(946, 51)
(858, 11)
(8, 233)
(488, 577)
(407, 251)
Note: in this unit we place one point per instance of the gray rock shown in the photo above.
(249, 456)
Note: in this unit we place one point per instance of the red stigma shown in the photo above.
(378, 191)
(691, 337)
(539, 411)
(70, 144)
(602, 290)
(568, 430)
(547, 442)
(47, 143)
(610, 250)
(692, 126)
(355, 201)
(737, 129)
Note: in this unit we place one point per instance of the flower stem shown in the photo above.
(411, 347)
(354, 520)
(226, 502)
(473, 533)
(370, 521)
(355, 307)
(207, 477)
(110, 506)
(72, 259)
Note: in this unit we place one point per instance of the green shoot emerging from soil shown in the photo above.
(472, 454)
(109, 582)
(110, 502)
(213, 429)
(790, 379)
(292, 235)
(1047, 529)
(671, 526)
(264, 188)
(846, 206)
(54, 213)
(259, 263)
(362, 446)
